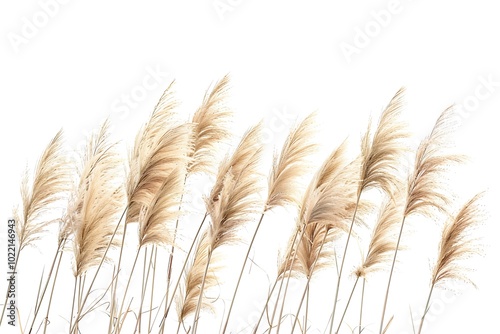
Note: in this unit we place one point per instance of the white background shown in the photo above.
(72, 68)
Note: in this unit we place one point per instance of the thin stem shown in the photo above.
(200, 298)
(112, 304)
(143, 288)
(241, 272)
(306, 289)
(113, 292)
(171, 255)
(306, 316)
(347, 306)
(342, 263)
(72, 307)
(38, 303)
(52, 292)
(79, 315)
(167, 308)
(361, 307)
(38, 296)
(126, 289)
(390, 276)
(426, 309)
(265, 306)
(178, 327)
(279, 290)
(150, 327)
(282, 281)
(288, 279)
(79, 299)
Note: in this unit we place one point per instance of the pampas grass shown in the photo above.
(50, 185)
(332, 204)
(210, 131)
(380, 160)
(99, 200)
(284, 182)
(456, 246)
(427, 190)
(240, 183)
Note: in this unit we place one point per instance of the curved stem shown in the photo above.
(169, 304)
(72, 307)
(256, 327)
(200, 298)
(241, 272)
(342, 263)
(306, 317)
(126, 289)
(311, 271)
(361, 307)
(426, 309)
(171, 255)
(150, 325)
(113, 292)
(38, 303)
(287, 282)
(390, 276)
(52, 293)
(347, 306)
(145, 277)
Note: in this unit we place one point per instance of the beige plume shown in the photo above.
(210, 129)
(50, 184)
(292, 165)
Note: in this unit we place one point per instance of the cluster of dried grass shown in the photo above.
(106, 193)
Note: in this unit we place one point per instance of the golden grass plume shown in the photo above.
(457, 243)
(211, 122)
(147, 175)
(426, 185)
(186, 301)
(384, 237)
(51, 183)
(100, 200)
(291, 165)
(154, 221)
(381, 154)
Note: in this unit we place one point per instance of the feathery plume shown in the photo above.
(154, 227)
(210, 129)
(100, 213)
(239, 192)
(194, 276)
(382, 153)
(384, 236)
(427, 186)
(427, 189)
(456, 246)
(312, 255)
(162, 117)
(246, 154)
(172, 150)
(234, 199)
(100, 199)
(293, 162)
(456, 243)
(50, 184)
(330, 206)
(327, 172)
(238, 200)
